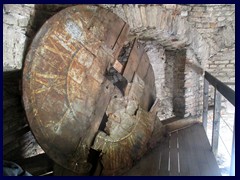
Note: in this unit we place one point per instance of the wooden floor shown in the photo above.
(185, 152)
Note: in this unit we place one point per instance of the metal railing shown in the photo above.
(220, 89)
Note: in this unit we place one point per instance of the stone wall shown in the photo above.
(16, 22)
(216, 24)
(174, 83)
(20, 24)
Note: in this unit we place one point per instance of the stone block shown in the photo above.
(184, 13)
(10, 19)
(226, 8)
(221, 18)
(209, 8)
(221, 62)
(137, 16)
(152, 15)
(118, 9)
(128, 15)
(143, 16)
(221, 66)
(199, 8)
(13, 48)
(228, 13)
(230, 65)
(148, 11)
(169, 6)
(212, 66)
(197, 14)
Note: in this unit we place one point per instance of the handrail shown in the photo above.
(219, 89)
(226, 91)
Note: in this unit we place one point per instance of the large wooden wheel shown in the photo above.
(67, 91)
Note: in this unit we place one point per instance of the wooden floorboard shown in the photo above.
(164, 152)
(190, 155)
(173, 154)
(212, 167)
(140, 169)
(190, 149)
(199, 158)
(183, 155)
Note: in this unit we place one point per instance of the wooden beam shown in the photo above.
(226, 91)
(205, 104)
(120, 40)
(118, 66)
(133, 61)
(216, 121)
(37, 165)
(143, 64)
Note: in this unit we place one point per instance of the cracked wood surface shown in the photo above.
(66, 93)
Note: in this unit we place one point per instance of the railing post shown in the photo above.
(232, 166)
(205, 104)
(216, 121)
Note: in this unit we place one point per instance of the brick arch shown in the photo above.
(168, 29)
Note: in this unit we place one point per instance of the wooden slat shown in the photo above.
(151, 169)
(205, 104)
(60, 171)
(170, 120)
(118, 66)
(173, 154)
(183, 154)
(155, 107)
(121, 39)
(143, 66)
(143, 167)
(209, 165)
(106, 19)
(148, 97)
(227, 92)
(101, 108)
(149, 78)
(11, 138)
(11, 151)
(216, 121)
(37, 165)
(133, 61)
(188, 165)
(196, 158)
(200, 158)
(163, 167)
(115, 27)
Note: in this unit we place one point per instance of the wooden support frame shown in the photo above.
(205, 104)
(227, 92)
(220, 89)
(216, 121)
